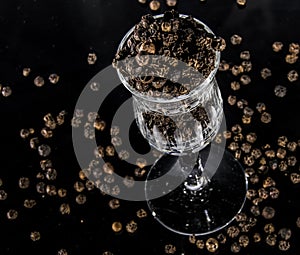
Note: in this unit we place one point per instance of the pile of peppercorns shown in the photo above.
(167, 126)
(176, 38)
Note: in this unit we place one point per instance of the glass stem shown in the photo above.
(197, 179)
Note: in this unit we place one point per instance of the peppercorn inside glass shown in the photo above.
(169, 62)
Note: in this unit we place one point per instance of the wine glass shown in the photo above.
(196, 186)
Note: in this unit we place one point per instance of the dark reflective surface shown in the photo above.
(56, 36)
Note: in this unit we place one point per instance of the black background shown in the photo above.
(55, 37)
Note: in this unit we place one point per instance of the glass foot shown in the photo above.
(199, 205)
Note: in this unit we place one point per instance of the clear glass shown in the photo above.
(191, 134)
(183, 127)
(205, 97)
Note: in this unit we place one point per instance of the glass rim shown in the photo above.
(202, 86)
